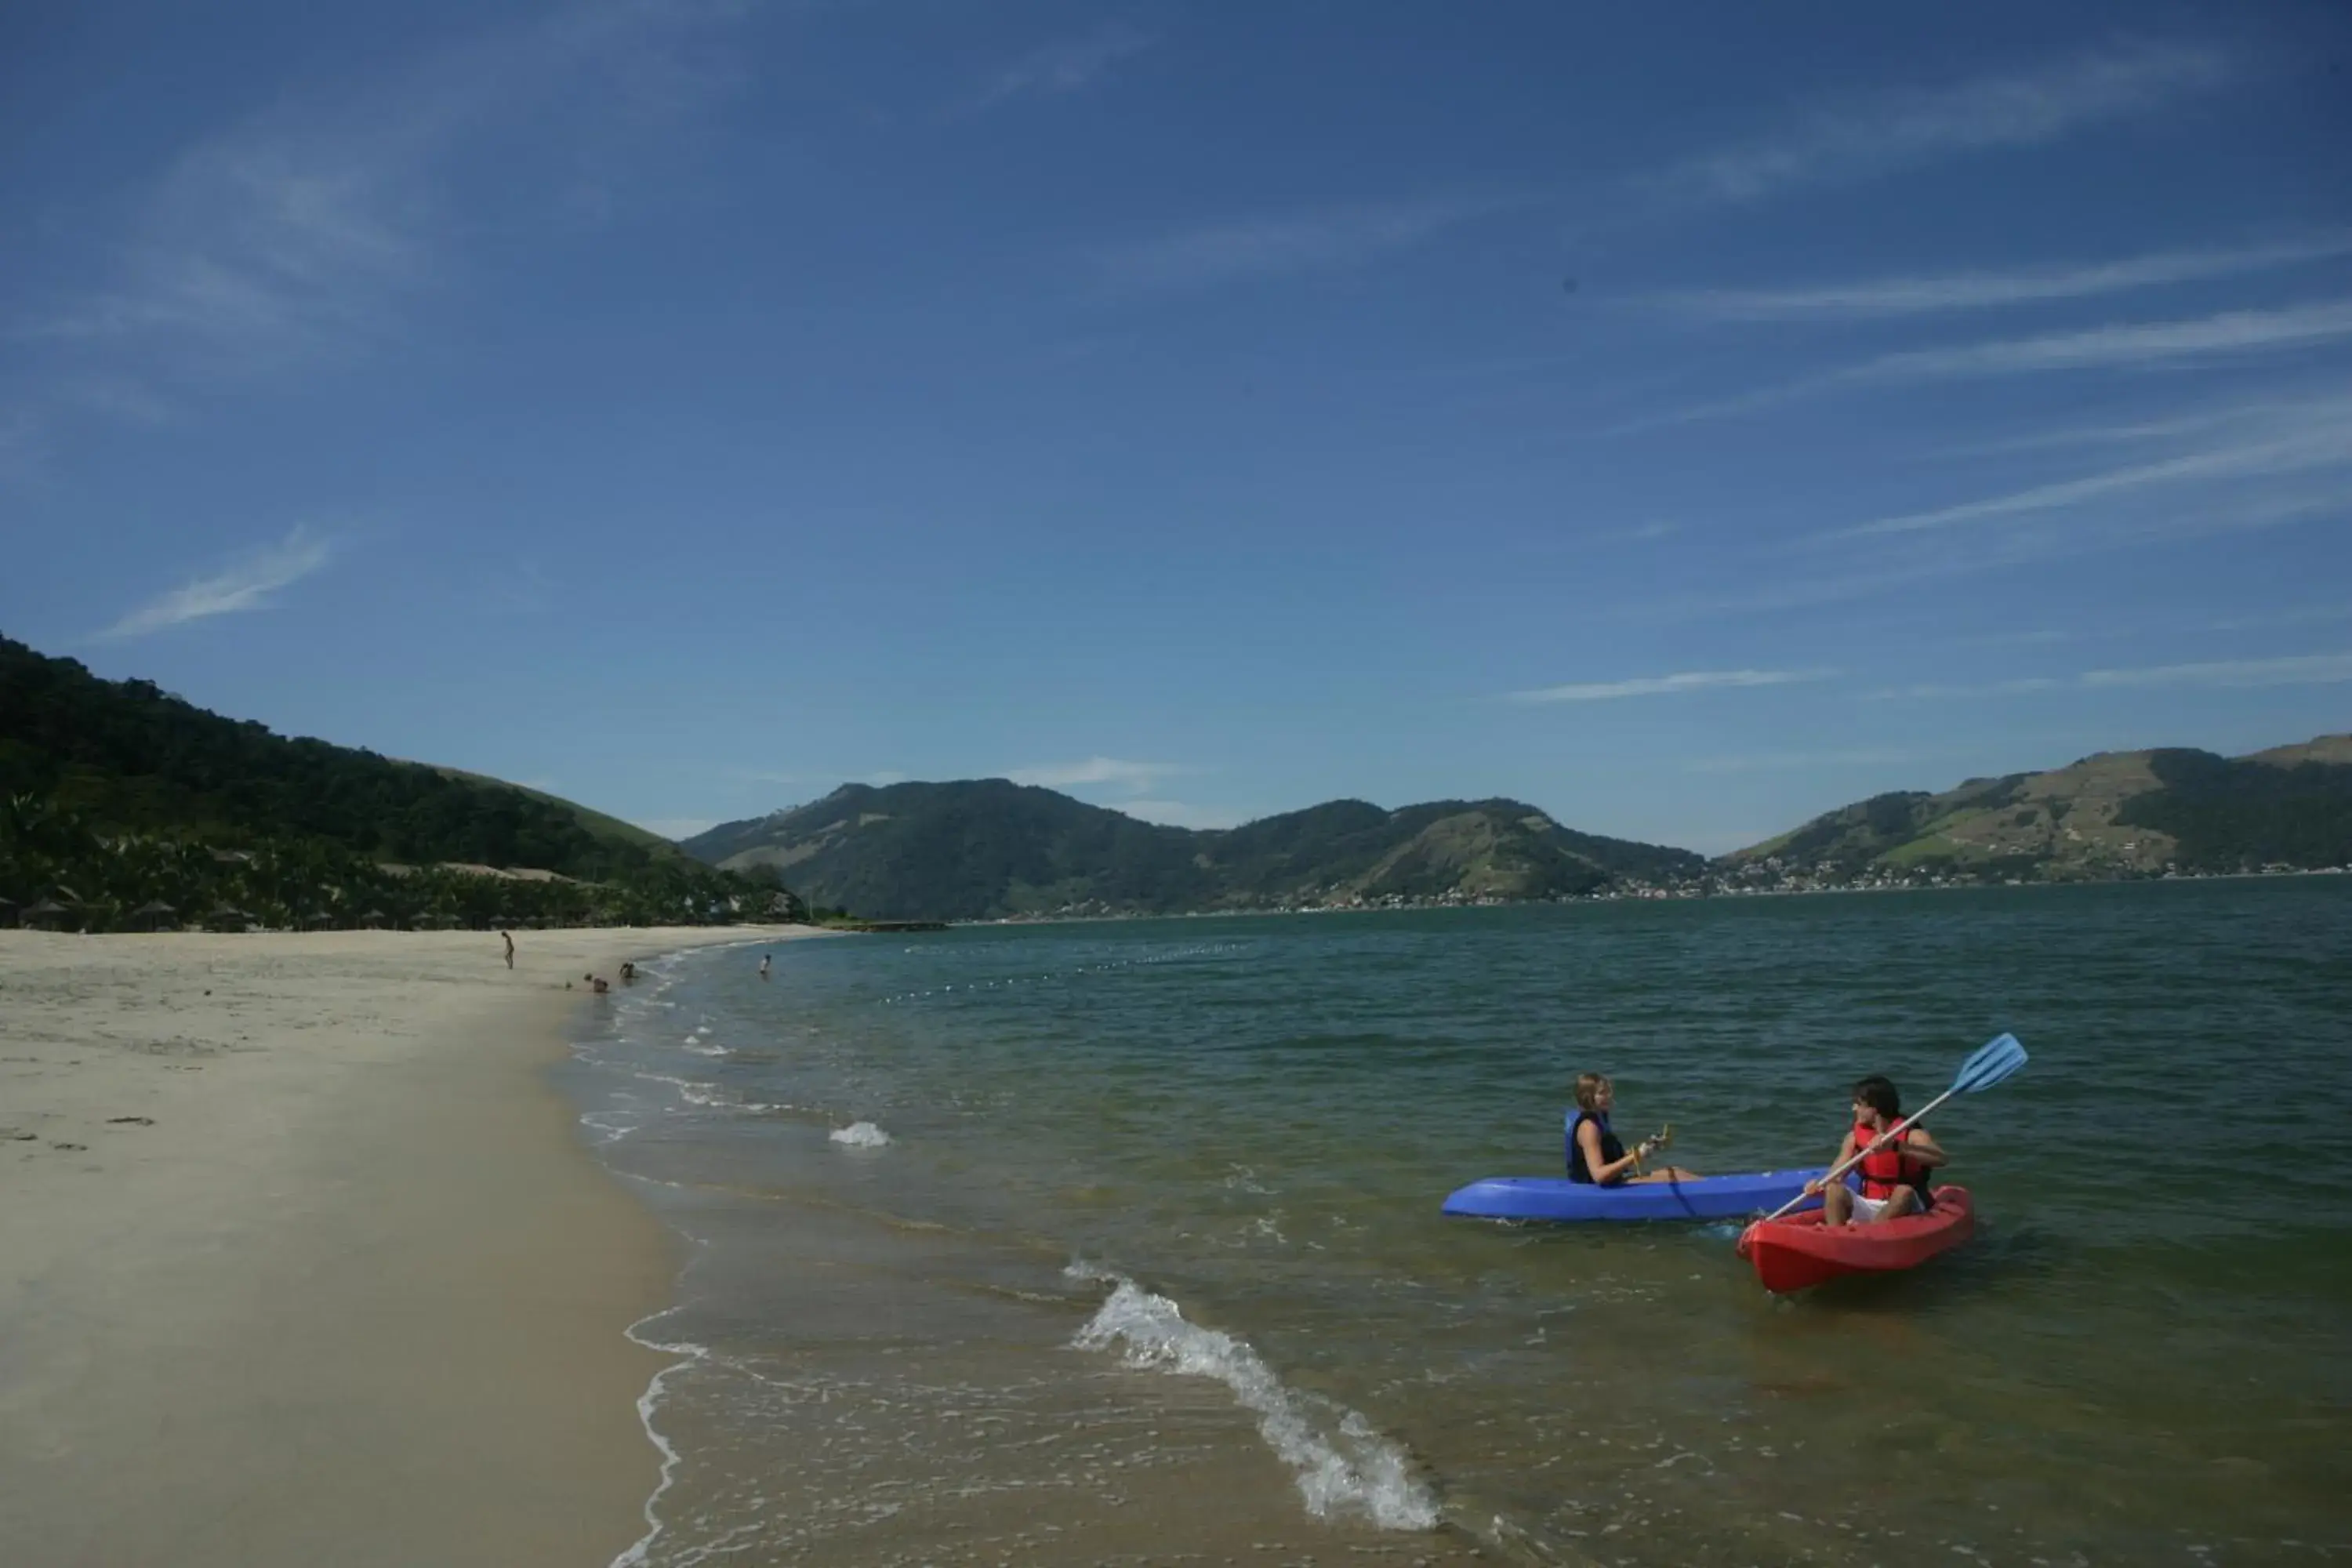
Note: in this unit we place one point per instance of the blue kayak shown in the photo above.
(1558, 1198)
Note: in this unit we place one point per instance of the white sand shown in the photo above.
(354, 1293)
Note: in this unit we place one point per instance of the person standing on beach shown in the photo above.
(508, 937)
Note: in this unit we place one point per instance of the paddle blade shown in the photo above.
(1993, 1062)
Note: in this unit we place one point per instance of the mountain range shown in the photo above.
(2113, 814)
(116, 793)
(989, 847)
(983, 847)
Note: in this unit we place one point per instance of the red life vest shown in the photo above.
(1889, 1168)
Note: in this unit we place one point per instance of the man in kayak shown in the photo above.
(1895, 1160)
(1594, 1153)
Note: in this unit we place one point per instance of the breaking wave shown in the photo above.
(1344, 1466)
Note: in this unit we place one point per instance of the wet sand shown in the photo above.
(300, 1261)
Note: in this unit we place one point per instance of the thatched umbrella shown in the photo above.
(154, 915)
(224, 915)
(372, 919)
(46, 915)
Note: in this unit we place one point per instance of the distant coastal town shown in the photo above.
(1765, 879)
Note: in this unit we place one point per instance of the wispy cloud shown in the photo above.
(2257, 465)
(2302, 669)
(302, 233)
(1874, 136)
(2142, 345)
(2224, 674)
(2038, 636)
(2107, 434)
(248, 584)
(1065, 66)
(1640, 533)
(1982, 290)
(2294, 438)
(2170, 629)
(1930, 691)
(1327, 238)
(1771, 762)
(2100, 348)
(1879, 567)
(1667, 685)
(1138, 777)
(255, 249)
(524, 588)
(2290, 616)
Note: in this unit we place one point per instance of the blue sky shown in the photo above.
(1684, 418)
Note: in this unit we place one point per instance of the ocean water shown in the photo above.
(1121, 1242)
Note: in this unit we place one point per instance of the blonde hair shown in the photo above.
(1588, 1086)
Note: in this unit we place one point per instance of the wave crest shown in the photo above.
(1345, 1466)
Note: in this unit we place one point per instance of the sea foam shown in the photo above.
(649, 1403)
(1345, 1466)
(860, 1135)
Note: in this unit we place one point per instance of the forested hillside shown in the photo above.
(116, 796)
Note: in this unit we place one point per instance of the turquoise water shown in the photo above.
(2142, 1356)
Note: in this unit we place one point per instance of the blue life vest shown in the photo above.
(1611, 1151)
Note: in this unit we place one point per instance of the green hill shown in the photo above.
(610, 829)
(985, 847)
(2117, 814)
(118, 794)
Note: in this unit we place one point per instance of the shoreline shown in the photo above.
(303, 1257)
(1649, 896)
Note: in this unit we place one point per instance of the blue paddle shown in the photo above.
(1995, 1059)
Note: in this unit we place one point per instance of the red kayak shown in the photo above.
(1797, 1252)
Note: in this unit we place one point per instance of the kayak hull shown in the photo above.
(1558, 1199)
(1800, 1252)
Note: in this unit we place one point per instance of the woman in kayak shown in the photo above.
(1595, 1155)
(1895, 1160)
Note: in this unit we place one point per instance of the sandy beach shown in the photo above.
(302, 1260)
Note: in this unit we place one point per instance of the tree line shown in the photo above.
(122, 807)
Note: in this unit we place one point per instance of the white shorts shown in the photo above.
(1868, 1209)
